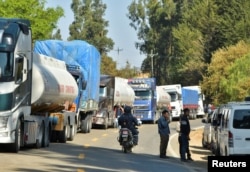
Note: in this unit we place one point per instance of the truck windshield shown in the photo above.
(6, 66)
(174, 96)
(143, 94)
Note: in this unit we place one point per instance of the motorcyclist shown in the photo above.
(127, 120)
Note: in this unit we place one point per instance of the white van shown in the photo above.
(234, 130)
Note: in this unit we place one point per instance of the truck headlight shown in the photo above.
(3, 122)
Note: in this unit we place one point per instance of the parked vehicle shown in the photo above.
(176, 99)
(37, 92)
(201, 98)
(83, 62)
(190, 101)
(114, 92)
(145, 99)
(216, 119)
(163, 100)
(207, 130)
(234, 130)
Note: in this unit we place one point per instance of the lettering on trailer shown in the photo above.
(66, 89)
(138, 84)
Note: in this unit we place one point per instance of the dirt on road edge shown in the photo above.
(199, 154)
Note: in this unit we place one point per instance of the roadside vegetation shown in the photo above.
(192, 42)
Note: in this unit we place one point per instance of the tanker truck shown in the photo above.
(37, 92)
(114, 93)
(163, 100)
(83, 62)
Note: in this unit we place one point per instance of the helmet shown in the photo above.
(127, 109)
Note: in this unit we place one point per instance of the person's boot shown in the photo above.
(190, 159)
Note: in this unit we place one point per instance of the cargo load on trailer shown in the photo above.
(84, 57)
(114, 93)
(37, 91)
(163, 100)
(190, 100)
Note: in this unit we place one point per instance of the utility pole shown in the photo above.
(152, 62)
(118, 51)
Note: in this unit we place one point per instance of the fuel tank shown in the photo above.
(124, 94)
(51, 82)
(163, 99)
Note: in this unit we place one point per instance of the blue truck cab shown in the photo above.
(144, 107)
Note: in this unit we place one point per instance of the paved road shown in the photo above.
(97, 151)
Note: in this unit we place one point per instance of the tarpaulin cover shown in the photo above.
(79, 53)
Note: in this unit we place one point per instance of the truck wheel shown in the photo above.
(84, 126)
(90, 125)
(63, 135)
(15, 147)
(72, 132)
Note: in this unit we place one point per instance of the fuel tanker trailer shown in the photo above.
(163, 100)
(36, 92)
(114, 93)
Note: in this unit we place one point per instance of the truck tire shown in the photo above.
(85, 126)
(63, 135)
(90, 124)
(15, 147)
(72, 132)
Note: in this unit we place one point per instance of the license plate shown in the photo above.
(124, 132)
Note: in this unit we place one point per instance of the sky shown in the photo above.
(123, 35)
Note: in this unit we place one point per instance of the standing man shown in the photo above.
(184, 134)
(164, 131)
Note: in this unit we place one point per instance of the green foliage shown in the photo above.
(43, 20)
(215, 83)
(89, 24)
(237, 84)
(108, 66)
(189, 38)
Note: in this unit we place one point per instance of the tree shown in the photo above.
(185, 34)
(220, 69)
(43, 20)
(108, 66)
(89, 24)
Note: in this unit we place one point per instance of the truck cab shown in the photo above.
(145, 99)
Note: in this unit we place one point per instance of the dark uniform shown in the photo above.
(127, 120)
(184, 134)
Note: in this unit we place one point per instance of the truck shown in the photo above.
(175, 93)
(201, 98)
(163, 100)
(114, 92)
(144, 106)
(190, 101)
(37, 91)
(83, 62)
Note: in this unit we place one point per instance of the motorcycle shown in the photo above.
(125, 139)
